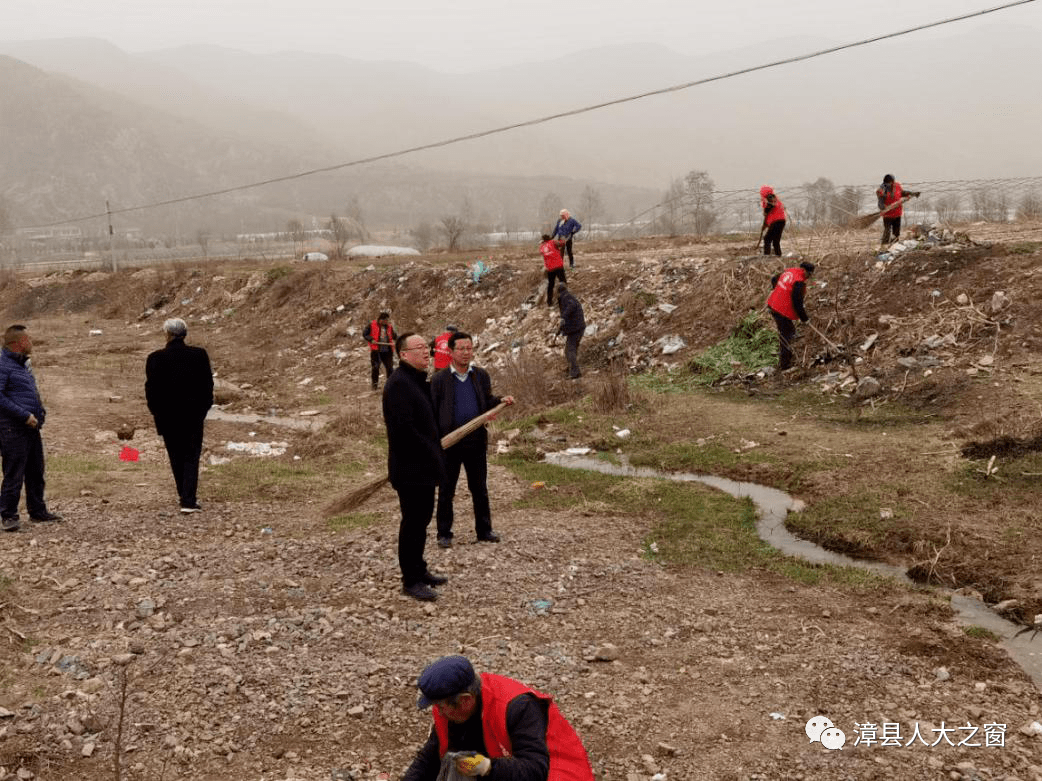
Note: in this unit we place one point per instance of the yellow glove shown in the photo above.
(476, 765)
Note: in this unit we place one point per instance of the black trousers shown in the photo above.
(568, 248)
(571, 352)
(772, 239)
(21, 449)
(891, 225)
(786, 333)
(472, 455)
(377, 357)
(184, 447)
(551, 280)
(417, 503)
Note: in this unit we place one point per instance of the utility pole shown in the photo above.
(112, 251)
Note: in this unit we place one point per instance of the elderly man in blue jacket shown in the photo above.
(566, 228)
(21, 446)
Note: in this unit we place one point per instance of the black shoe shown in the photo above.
(45, 517)
(10, 524)
(445, 542)
(420, 591)
(434, 580)
(187, 509)
(489, 537)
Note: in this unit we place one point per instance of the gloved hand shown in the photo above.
(477, 765)
(916, 195)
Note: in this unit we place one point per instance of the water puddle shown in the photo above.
(300, 424)
(773, 505)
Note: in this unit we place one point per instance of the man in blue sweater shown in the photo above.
(565, 229)
(21, 446)
(460, 393)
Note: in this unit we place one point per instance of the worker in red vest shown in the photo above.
(786, 305)
(890, 192)
(493, 725)
(773, 220)
(553, 262)
(440, 348)
(380, 335)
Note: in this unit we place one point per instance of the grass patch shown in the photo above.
(666, 382)
(981, 633)
(354, 521)
(689, 525)
(73, 464)
(277, 272)
(1012, 476)
(851, 523)
(748, 349)
(1024, 248)
(272, 478)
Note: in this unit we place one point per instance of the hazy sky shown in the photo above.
(461, 35)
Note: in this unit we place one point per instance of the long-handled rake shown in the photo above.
(361, 495)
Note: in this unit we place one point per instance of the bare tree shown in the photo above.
(671, 217)
(341, 232)
(845, 207)
(591, 206)
(295, 229)
(354, 212)
(947, 207)
(453, 227)
(821, 195)
(423, 235)
(202, 238)
(549, 208)
(698, 195)
(990, 204)
(1029, 208)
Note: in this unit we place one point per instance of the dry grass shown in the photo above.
(611, 391)
(527, 379)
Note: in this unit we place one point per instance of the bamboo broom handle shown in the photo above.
(456, 435)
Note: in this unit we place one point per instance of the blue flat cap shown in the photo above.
(444, 678)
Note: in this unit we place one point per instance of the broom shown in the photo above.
(867, 219)
(360, 496)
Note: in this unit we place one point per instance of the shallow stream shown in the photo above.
(773, 505)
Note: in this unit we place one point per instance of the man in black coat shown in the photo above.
(415, 463)
(461, 393)
(573, 325)
(179, 392)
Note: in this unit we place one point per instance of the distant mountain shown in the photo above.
(136, 127)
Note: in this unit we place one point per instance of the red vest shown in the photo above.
(568, 760)
(780, 299)
(374, 334)
(896, 193)
(776, 213)
(442, 353)
(551, 256)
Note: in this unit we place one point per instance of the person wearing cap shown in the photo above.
(179, 393)
(415, 464)
(887, 194)
(786, 305)
(493, 726)
(773, 220)
(554, 265)
(380, 335)
(565, 229)
(440, 348)
(460, 393)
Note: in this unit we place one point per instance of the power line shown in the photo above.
(545, 119)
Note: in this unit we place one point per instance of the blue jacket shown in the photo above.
(566, 229)
(18, 394)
